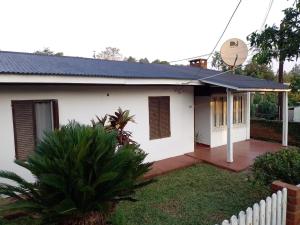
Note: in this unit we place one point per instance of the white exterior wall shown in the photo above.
(83, 103)
(219, 135)
(291, 115)
(215, 136)
(297, 114)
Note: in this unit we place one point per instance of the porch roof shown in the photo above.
(244, 83)
(24, 64)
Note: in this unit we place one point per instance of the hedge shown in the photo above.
(271, 130)
(283, 165)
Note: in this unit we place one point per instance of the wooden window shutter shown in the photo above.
(159, 117)
(24, 128)
(164, 117)
(154, 117)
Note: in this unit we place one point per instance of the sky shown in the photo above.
(164, 29)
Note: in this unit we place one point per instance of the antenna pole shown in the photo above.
(233, 67)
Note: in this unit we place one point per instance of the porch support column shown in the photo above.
(285, 119)
(248, 115)
(229, 125)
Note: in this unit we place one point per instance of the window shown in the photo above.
(159, 117)
(31, 120)
(220, 110)
(238, 110)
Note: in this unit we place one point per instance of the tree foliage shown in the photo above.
(81, 172)
(218, 63)
(278, 42)
(47, 51)
(264, 106)
(262, 71)
(293, 77)
(110, 53)
(281, 43)
(117, 122)
(144, 60)
(130, 59)
(157, 61)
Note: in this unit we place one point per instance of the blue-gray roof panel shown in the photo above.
(28, 63)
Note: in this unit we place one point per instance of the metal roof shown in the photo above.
(240, 82)
(33, 64)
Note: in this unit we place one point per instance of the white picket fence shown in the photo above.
(271, 211)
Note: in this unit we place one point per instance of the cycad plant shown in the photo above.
(81, 173)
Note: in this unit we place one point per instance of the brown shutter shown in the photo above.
(154, 117)
(159, 117)
(55, 114)
(164, 117)
(24, 128)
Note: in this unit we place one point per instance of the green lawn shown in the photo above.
(200, 194)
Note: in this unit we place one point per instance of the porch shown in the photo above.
(244, 154)
(222, 120)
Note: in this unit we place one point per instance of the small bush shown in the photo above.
(283, 165)
(81, 174)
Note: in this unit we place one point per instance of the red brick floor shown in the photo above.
(170, 164)
(244, 153)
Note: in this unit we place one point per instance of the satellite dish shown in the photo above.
(234, 52)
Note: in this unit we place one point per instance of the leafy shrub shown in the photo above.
(283, 165)
(117, 122)
(81, 174)
(264, 106)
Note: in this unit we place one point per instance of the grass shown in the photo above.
(202, 195)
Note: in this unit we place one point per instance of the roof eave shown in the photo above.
(75, 79)
(245, 89)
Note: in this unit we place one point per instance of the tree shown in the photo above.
(144, 60)
(47, 51)
(130, 59)
(262, 71)
(110, 53)
(280, 43)
(293, 77)
(218, 63)
(157, 61)
(264, 106)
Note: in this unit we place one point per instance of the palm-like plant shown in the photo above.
(117, 122)
(81, 173)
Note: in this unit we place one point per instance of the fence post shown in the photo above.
(293, 201)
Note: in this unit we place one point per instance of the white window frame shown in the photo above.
(219, 101)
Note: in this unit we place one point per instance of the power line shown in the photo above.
(236, 8)
(267, 14)
(209, 54)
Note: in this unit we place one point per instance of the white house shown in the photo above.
(294, 114)
(173, 105)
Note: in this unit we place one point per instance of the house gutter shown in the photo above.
(75, 79)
